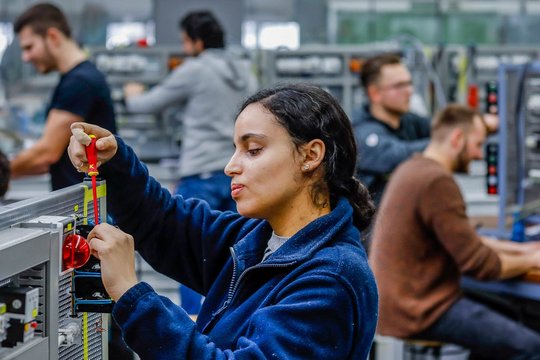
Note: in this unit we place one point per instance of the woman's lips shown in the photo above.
(236, 189)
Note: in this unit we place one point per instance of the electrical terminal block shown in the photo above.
(21, 312)
(89, 294)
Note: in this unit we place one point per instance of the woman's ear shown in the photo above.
(313, 154)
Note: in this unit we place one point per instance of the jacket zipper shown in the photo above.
(234, 284)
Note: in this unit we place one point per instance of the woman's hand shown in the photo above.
(106, 145)
(115, 249)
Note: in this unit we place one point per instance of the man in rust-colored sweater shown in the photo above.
(423, 243)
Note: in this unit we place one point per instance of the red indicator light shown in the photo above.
(75, 252)
(492, 190)
(472, 98)
(492, 169)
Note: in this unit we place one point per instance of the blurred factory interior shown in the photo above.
(481, 53)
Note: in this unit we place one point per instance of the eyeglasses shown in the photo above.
(399, 86)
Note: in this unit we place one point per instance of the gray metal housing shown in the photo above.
(31, 234)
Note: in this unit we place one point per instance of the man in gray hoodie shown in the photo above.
(209, 85)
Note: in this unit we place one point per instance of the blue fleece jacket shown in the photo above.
(314, 298)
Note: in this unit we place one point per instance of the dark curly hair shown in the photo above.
(308, 112)
(203, 25)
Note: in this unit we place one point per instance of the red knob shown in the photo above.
(75, 252)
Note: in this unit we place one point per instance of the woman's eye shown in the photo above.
(253, 152)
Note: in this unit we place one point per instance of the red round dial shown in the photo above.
(75, 252)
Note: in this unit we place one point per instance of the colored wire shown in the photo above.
(94, 196)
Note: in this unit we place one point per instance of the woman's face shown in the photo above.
(265, 168)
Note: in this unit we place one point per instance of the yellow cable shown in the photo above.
(85, 336)
(101, 192)
(463, 79)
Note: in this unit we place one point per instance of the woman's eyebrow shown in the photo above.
(248, 136)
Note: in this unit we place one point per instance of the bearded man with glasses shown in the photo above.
(386, 132)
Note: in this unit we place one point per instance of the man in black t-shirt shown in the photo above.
(82, 93)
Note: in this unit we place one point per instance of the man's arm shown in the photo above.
(443, 208)
(513, 265)
(49, 148)
(516, 258)
(509, 247)
(175, 88)
(381, 152)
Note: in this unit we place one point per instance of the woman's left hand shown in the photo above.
(115, 249)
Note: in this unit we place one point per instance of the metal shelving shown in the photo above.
(153, 136)
(334, 68)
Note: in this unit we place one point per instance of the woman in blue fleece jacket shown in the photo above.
(285, 278)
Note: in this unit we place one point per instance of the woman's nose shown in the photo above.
(232, 166)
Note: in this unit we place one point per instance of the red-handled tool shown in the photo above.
(91, 155)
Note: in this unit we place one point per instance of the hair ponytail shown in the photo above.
(363, 206)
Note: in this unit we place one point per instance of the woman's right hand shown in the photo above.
(115, 250)
(106, 145)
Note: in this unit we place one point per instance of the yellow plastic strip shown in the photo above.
(85, 204)
(101, 191)
(85, 336)
(462, 79)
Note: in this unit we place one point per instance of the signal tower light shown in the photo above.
(492, 176)
(492, 98)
